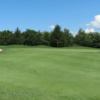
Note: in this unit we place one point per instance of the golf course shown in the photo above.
(47, 73)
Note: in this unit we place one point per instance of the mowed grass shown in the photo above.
(42, 73)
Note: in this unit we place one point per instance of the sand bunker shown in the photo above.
(1, 50)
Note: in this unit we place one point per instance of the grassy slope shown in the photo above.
(28, 73)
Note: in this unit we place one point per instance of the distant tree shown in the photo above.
(96, 40)
(39, 38)
(57, 37)
(30, 37)
(17, 37)
(69, 39)
(88, 39)
(46, 38)
(80, 38)
(6, 37)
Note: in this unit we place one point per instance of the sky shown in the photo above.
(45, 14)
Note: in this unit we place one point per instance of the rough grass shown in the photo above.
(42, 73)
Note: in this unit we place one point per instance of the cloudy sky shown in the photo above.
(45, 14)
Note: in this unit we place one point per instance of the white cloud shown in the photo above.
(52, 27)
(96, 22)
(89, 30)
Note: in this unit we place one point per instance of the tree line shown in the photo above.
(56, 38)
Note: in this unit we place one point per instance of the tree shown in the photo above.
(69, 40)
(6, 37)
(57, 37)
(17, 37)
(39, 38)
(96, 40)
(80, 38)
(46, 38)
(30, 37)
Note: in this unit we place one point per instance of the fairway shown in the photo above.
(45, 73)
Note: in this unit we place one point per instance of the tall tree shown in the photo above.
(57, 37)
(39, 38)
(80, 38)
(46, 38)
(17, 37)
(69, 40)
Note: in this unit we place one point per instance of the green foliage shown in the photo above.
(88, 39)
(81, 37)
(68, 38)
(17, 37)
(5, 37)
(61, 38)
(46, 38)
(30, 37)
(56, 38)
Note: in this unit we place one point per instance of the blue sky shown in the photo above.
(41, 14)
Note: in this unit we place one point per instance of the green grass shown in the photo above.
(42, 73)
